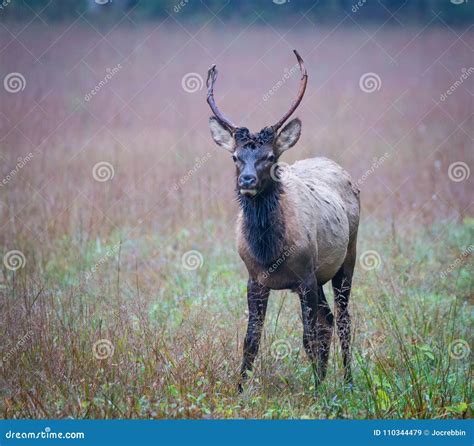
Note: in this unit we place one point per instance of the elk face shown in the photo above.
(254, 154)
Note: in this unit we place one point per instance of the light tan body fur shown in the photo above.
(321, 209)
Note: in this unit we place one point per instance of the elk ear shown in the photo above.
(288, 137)
(221, 136)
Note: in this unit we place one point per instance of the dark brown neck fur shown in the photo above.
(264, 225)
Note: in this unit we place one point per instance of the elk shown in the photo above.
(296, 229)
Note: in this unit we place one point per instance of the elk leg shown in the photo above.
(325, 323)
(257, 299)
(317, 327)
(341, 284)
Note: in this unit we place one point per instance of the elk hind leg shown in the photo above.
(342, 283)
(317, 328)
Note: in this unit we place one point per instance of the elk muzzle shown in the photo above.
(248, 184)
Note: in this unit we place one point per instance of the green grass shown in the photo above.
(177, 333)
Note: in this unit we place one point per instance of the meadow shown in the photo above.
(121, 291)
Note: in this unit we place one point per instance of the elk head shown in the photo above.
(254, 154)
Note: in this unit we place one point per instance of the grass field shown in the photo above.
(121, 291)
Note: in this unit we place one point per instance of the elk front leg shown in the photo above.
(317, 327)
(257, 299)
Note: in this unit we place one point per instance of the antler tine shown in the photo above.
(211, 78)
(296, 102)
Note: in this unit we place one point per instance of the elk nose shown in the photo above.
(247, 181)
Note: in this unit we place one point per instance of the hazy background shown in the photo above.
(117, 210)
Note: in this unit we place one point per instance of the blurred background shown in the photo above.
(117, 210)
(149, 120)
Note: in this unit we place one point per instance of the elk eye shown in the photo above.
(234, 158)
(271, 158)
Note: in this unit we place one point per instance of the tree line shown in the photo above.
(452, 12)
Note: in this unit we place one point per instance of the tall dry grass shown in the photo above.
(104, 259)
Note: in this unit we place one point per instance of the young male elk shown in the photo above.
(304, 220)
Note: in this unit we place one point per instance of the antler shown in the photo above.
(296, 102)
(211, 78)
